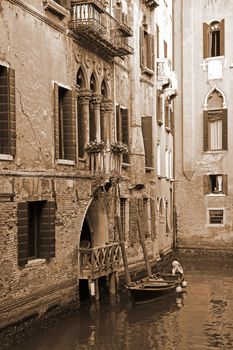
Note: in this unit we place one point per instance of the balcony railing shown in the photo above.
(166, 78)
(99, 32)
(100, 5)
(106, 162)
(99, 261)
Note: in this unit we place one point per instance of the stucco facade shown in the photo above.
(69, 87)
(203, 65)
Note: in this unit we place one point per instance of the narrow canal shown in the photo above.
(202, 319)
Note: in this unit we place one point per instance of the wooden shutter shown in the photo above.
(4, 111)
(141, 48)
(206, 184)
(172, 120)
(133, 211)
(205, 40)
(22, 233)
(80, 129)
(69, 125)
(152, 214)
(225, 184)
(222, 37)
(12, 119)
(118, 123)
(56, 120)
(224, 130)
(151, 52)
(125, 132)
(147, 138)
(159, 108)
(157, 40)
(205, 131)
(47, 231)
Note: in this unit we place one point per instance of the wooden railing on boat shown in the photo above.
(99, 261)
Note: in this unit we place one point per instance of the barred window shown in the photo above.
(216, 216)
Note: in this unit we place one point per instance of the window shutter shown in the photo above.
(12, 120)
(206, 184)
(118, 123)
(205, 131)
(56, 120)
(125, 132)
(147, 138)
(4, 110)
(80, 129)
(22, 233)
(142, 58)
(225, 184)
(47, 231)
(133, 211)
(205, 40)
(152, 214)
(152, 52)
(172, 121)
(159, 108)
(69, 125)
(157, 40)
(224, 130)
(222, 37)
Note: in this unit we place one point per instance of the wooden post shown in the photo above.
(142, 241)
(122, 244)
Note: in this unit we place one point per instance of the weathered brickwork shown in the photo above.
(59, 199)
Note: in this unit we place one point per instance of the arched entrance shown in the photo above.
(99, 258)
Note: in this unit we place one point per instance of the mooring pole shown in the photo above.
(122, 244)
(142, 241)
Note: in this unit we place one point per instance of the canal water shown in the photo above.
(199, 320)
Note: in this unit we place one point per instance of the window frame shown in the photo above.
(209, 224)
(209, 35)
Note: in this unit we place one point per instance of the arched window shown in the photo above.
(213, 39)
(92, 121)
(215, 123)
(80, 81)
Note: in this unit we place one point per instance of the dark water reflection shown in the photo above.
(202, 319)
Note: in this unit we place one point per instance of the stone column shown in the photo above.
(96, 100)
(84, 96)
(107, 120)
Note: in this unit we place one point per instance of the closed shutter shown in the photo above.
(157, 40)
(159, 109)
(152, 41)
(118, 123)
(147, 138)
(225, 184)
(4, 111)
(56, 120)
(141, 48)
(172, 121)
(80, 129)
(133, 211)
(205, 131)
(206, 184)
(205, 40)
(12, 120)
(47, 231)
(222, 37)
(69, 125)
(152, 214)
(224, 130)
(22, 233)
(125, 132)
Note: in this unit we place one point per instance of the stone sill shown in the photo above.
(36, 262)
(6, 157)
(65, 162)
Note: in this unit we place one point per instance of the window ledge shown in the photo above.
(149, 168)
(34, 262)
(215, 225)
(65, 162)
(52, 6)
(207, 59)
(216, 195)
(217, 151)
(147, 71)
(6, 157)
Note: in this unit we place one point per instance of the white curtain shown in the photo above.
(216, 134)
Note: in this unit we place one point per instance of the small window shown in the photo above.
(213, 39)
(65, 137)
(36, 231)
(7, 111)
(147, 138)
(146, 51)
(216, 216)
(122, 126)
(215, 184)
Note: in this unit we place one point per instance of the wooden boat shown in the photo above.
(155, 287)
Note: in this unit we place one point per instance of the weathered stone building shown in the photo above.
(203, 62)
(81, 81)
